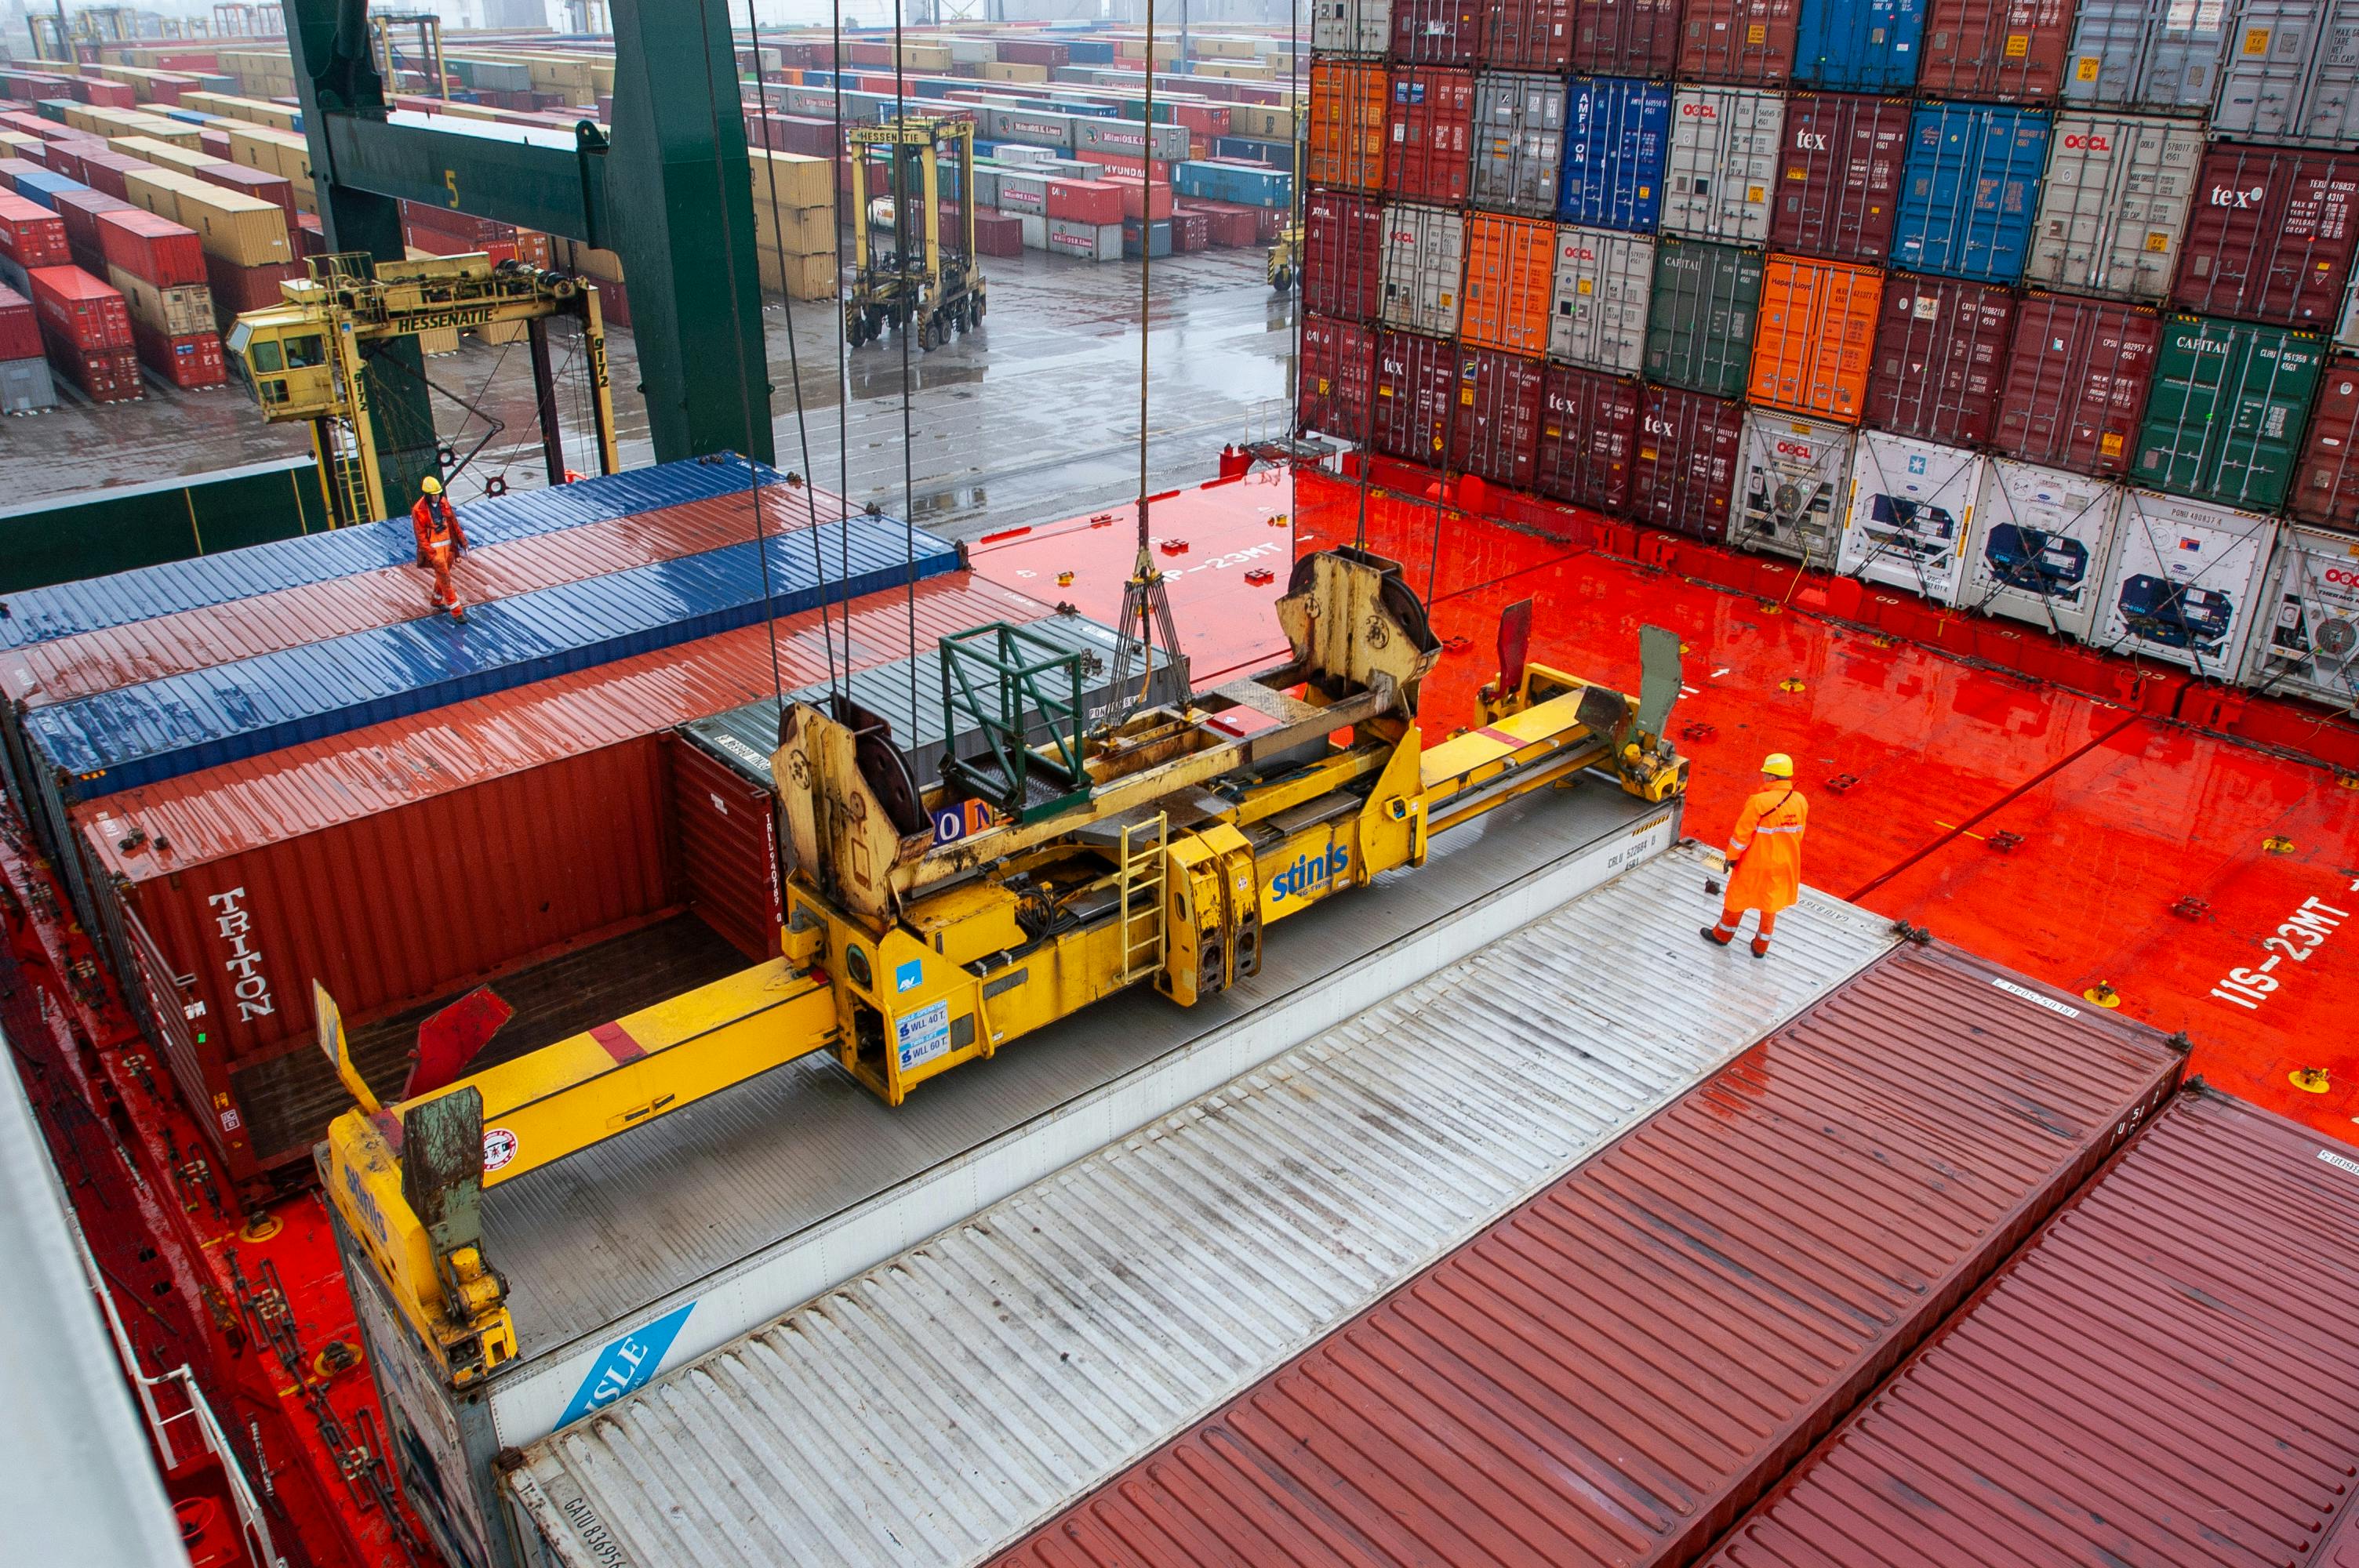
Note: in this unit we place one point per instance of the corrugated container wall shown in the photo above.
(1363, 27)
(1625, 38)
(1496, 433)
(1342, 254)
(1417, 388)
(1970, 189)
(1838, 175)
(2304, 648)
(1615, 138)
(1437, 32)
(1519, 142)
(1589, 430)
(1700, 325)
(1941, 356)
(1911, 512)
(2185, 581)
(1746, 43)
(1337, 370)
(1858, 46)
(2146, 54)
(2076, 382)
(1790, 487)
(2112, 207)
(2010, 50)
(1811, 350)
(1529, 35)
(2290, 73)
(1723, 168)
(1510, 275)
(1688, 450)
(1598, 302)
(2270, 236)
(2225, 419)
(2326, 486)
(1348, 124)
(1424, 265)
(2040, 542)
(1429, 129)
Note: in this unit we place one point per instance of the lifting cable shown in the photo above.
(835, 174)
(900, 292)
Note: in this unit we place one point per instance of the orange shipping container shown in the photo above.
(1510, 276)
(1814, 337)
(1347, 125)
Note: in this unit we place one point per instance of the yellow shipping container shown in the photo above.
(164, 155)
(798, 278)
(793, 230)
(800, 179)
(1002, 71)
(233, 226)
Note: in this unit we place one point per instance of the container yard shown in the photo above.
(1476, 782)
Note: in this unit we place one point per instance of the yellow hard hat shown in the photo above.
(431, 485)
(1778, 765)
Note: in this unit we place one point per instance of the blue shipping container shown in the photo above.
(1859, 46)
(1617, 133)
(1277, 154)
(1232, 182)
(1090, 51)
(39, 185)
(1969, 191)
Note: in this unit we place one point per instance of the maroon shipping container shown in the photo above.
(20, 329)
(1589, 430)
(79, 211)
(2076, 382)
(1625, 38)
(2326, 486)
(105, 171)
(263, 186)
(1686, 461)
(1191, 230)
(1616, 1369)
(189, 361)
(155, 248)
(1747, 42)
(1529, 35)
(1437, 32)
(1029, 51)
(237, 289)
(1839, 171)
(80, 311)
(105, 376)
(310, 235)
(996, 234)
(2166, 1374)
(2269, 236)
(30, 235)
(213, 143)
(2011, 50)
(1428, 128)
(1416, 389)
(1339, 364)
(103, 94)
(1496, 433)
(1939, 359)
(1343, 253)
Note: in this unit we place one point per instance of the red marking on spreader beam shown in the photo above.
(1513, 742)
(618, 1043)
(1004, 534)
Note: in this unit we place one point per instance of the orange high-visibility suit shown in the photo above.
(441, 542)
(1765, 861)
(423, 515)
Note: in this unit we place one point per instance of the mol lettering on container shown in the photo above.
(2039, 546)
(2184, 580)
(1912, 510)
(1790, 486)
(2307, 643)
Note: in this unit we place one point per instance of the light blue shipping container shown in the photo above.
(1246, 187)
(1616, 134)
(1859, 46)
(1969, 191)
(39, 185)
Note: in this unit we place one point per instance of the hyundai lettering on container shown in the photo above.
(2146, 54)
(2114, 204)
(2185, 579)
(2307, 643)
(2041, 540)
(1723, 165)
(1615, 136)
(1970, 191)
(1597, 310)
(2077, 378)
(1912, 510)
(2290, 74)
(1790, 487)
(2270, 236)
(1858, 46)
(2225, 419)
(1688, 450)
(1839, 176)
(1589, 430)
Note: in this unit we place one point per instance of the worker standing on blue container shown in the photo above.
(440, 540)
(1764, 855)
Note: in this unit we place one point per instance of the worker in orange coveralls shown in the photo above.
(1764, 855)
(440, 539)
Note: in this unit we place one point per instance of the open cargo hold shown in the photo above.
(1430, 131)
(1510, 273)
(2289, 74)
(2185, 582)
(1812, 348)
(2326, 486)
(1723, 167)
(1970, 191)
(1496, 435)
(1790, 484)
(1424, 265)
(1620, 37)
(1616, 134)
(2114, 204)
(1940, 353)
(2224, 418)
(1701, 319)
(2146, 54)
(2041, 543)
(2166, 1373)
(1342, 254)
(1588, 431)
(1688, 450)
(2306, 642)
(2010, 50)
(2077, 378)
(1838, 175)
(1339, 365)
(2270, 236)
(1615, 1371)
(1598, 302)
(1858, 46)
(1519, 142)
(1911, 514)
(1416, 387)
(1746, 43)
(1250, 1174)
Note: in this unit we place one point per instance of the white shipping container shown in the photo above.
(2040, 541)
(1912, 510)
(2347, 334)
(2146, 54)
(1023, 193)
(1424, 268)
(2112, 209)
(2308, 641)
(1090, 242)
(2290, 73)
(1034, 227)
(1128, 139)
(2185, 578)
(1351, 27)
(1597, 313)
(1722, 166)
(1016, 157)
(1790, 486)
(1519, 142)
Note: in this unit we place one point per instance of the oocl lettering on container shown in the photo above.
(248, 984)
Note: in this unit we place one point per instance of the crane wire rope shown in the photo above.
(901, 272)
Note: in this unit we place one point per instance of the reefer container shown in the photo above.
(2225, 419)
(2010, 50)
(2146, 54)
(1838, 175)
(1723, 167)
(2270, 236)
(1349, 102)
(1417, 390)
(1424, 267)
(1940, 358)
(1790, 487)
(1530, 35)
(1437, 32)
(1343, 246)
(1597, 313)
(2076, 382)
(1362, 27)
(1701, 322)
(2290, 73)
(2184, 583)
(1589, 430)
(163, 253)
(2308, 641)
(1510, 276)
(2042, 537)
(1747, 43)
(2326, 486)
(1495, 434)
(1689, 445)
(1519, 142)
(1858, 46)
(1911, 514)
(1616, 136)
(2112, 207)
(1811, 350)
(1970, 189)
(1430, 131)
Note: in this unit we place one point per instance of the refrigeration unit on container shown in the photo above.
(1723, 165)
(2326, 486)
(2290, 74)
(1428, 131)
(1970, 190)
(1616, 136)
(1598, 305)
(1495, 434)
(1812, 344)
(1510, 275)
(1790, 486)
(1940, 358)
(2162, 55)
(2112, 207)
(1839, 174)
(1689, 445)
(2270, 235)
(1588, 431)
(1337, 369)
(2009, 51)
(2307, 643)
(1362, 27)
(1701, 321)
(1437, 32)
(2184, 583)
(1348, 127)
(1343, 242)
(1519, 142)
(1416, 391)
(2040, 542)
(2077, 379)
(1532, 35)
(2225, 415)
(1744, 43)
(1911, 512)
(1858, 46)
(1622, 38)
(1424, 265)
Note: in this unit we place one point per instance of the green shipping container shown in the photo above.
(2225, 419)
(1700, 325)
(100, 532)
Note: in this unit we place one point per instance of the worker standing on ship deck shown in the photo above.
(1764, 855)
(440, 540)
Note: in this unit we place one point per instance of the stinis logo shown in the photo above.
(1309, 872)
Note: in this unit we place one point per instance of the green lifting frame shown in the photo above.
(671, 193)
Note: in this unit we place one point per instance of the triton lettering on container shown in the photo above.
(1970, 189)
(1510, 273)
(2112, 207)
(1838, 175)
(1814, 345)
(1940, 354)
(2146, 54)
(2010, 50)
(1362, 27)
(2308, 641)
(1746, 43)
(1790, 488)
(2185, 582)
(1417, 395)
(2077, 379)
(2042, 539)
(1589, 430)
(1519, 142)
(2290, 74)
(1700, 323)
(1437, 32)
(1689, 445)
(1723, 167)
(1529, 35)
(1615, 136)
(1342, 254)
(1429, 127)
(2326, 486)
(1858, 46)
(1625, 38)
(1495, 434)
(1911, 514)
(1424, 267)
(2269, 236)
(2224, 418)
(1347, 137)
(1598, 305)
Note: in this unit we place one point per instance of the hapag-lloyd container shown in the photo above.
(1598, 304)
(1349, 105)
(1429, 129)
(2009, 51)
(2076, 382)
(1510, 273)
(1911, 514)
(2326, 486)
(2162, 55)
(1615, 136)
(1700, 323)
(2224, 418)
(1424, 268)
(1689, 445)
(2290, 73)
(1495, 434)
(2042, 540)
(1338, 368)
(1588, 436)
(1970, 191)
(1437, 32)
(1519, 142)
(1625, 38)
(1939, 362)
(1858, 46)
(1746, 43)
(2307, 643)
(1342, 254)
(2113, 206)
(2270, 235)
(1790, 486)
(1529, 35)
(1838, 175)
(1812, 347)
(1416, 394)
(1362, 27)
(2185, 582)
(1723, 168)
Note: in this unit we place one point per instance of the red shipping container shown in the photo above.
(1939, 359)
(79, 211)
(1747, 42)
(1625, 38)
(2011, 50)
(1428, 130)
(101, 93)
(20, 329)
(10, 168)
(2326, 486)
(998, 233)
(1838, 177)
(1232, 226)
(1496, 435)
(2270, 235)
(105, 171)
(1686, 463)
(1141, 200)
(237, 289)
(2077, 375)
(1084, 201)
(188, 363)
(30, 235)
(1206, 119)
(1030, 51)
(80, 311)
(1589, 432)
(1527, 35)
(1343, 253)
(1437, 32)
(1189, 231)
(1338, 366)
(145, 245)
(105, 376)
(213, 143)
(263, 186)
(310, 237)
(1416, 390)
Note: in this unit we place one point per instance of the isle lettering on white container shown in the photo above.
(248, 984)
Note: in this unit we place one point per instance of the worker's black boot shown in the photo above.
(1761, 946)
(1718, 938)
